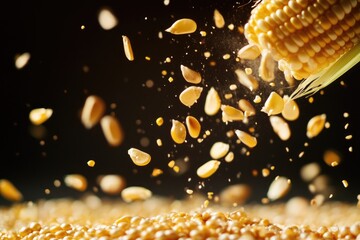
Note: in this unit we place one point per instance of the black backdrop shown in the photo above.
(55, 78)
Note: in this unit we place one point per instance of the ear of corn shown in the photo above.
(308, 37)
(318, 81)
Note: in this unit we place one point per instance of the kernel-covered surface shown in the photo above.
(165, 218)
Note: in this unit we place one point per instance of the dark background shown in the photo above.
(55, 78)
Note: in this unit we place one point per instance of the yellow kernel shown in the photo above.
(38, 116)
(147, 58)
(207, 54)
(226, 56)
(267, 67)
(278, 188)
(112, 184)
(170, 79)
(107, 19)
(139, 157)
(91, 163)
(246, 138)
(246, 107)
(218, 19)
(265, 172)
(230, 114)
(159, 142)
(291, 110)
(156, 172)
(135, 193)
(248, 71)
(315, 125)
(22, 60)
(190, 95)
(182, 26)
(112, 130)
(235, 194)
(229, 157)
(203, 33)
(332, 157)
(280, 127)
(190, 75)
(208, 168)
(273, 105)
(178, 132)
(248, 81)
(193, 126)
(219, 150)
(128, 48)
(212, 102)
(76, 181)
(257, 99)
(345, 183)
(309, 171)
(249, 52)
(159, 121)
(171, 164)
(92, 111)
(9, 191)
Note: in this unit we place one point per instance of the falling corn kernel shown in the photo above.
(128, 48)
(257, 99)
(265, 172)
(139, 157)
(229, 157)
(112, 184)
(203, 33)
(190, 75)
(159, 142)
(190, 95)
(182, 26)
(235, 194)
(246, 138)
(135, 193)
(248, 71)
(230, 114)
(212, 102)
(76, 181)
(310, 171)
(91, 163)
(208, 168)
(345, 183)
(156, 172)
(9, 191)
(332, 158)
(280, 127)
(315, 125)
(107, 19)
(291, 110)
(226, 56)
(193, 126)
(38, 116)
(112, 130)
(278, 188)
(247, 107)
(273, 105)
(159, 121)
(219, 150)
(178, 131)
(218, 19)
(248, 81)
(92, 111)
(249, 52)
(22, 60)
(267, 67)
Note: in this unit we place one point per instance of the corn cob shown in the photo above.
(307, 38)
